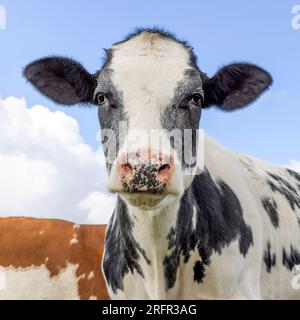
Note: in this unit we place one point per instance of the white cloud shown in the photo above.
(91, 204)
(46, 169)
(294, 164)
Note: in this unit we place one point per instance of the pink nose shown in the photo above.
(143, 171)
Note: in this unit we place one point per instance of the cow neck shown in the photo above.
(207, 218)
(145, 243)
(149, 229)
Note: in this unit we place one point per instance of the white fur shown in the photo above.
(35, 283)
(229, 275)
(147, 69)
(74, 240)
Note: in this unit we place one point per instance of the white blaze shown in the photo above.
(147, 69)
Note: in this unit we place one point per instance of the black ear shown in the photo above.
(235, 86)
(61, 79)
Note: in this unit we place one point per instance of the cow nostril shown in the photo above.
(126, 168)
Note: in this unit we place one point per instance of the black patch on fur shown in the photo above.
(122, 251)
(199, 269)
(219, 222)
(270, 207)
(180, 115)
(269, 258)
(110, 116)
(296, 176)
(282, 181)
(284, 187)
(292, 259)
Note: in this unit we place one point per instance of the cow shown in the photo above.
(50, 259)
(193, 219)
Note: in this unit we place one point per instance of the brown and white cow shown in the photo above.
(225, 228)
(50, 259)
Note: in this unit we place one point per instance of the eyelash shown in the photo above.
(195, 99)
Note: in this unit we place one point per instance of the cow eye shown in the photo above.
(100, 98)
(197, 99)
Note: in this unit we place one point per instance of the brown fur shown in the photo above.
(26, 242)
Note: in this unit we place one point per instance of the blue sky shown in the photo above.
(220, 32)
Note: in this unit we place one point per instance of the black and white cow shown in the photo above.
(228, 231)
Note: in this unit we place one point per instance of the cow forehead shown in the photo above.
(147, 69)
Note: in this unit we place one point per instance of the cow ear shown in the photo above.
(235, 86)
(61, 79)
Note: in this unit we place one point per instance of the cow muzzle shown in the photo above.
(146, 179)
(144, 172)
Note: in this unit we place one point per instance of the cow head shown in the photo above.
(150, 94)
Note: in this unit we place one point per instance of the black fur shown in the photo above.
(296, 176)
(121, 249)
(284, 187)
(61, 79)
(110, 115)
(219, 221)
(291, 259)
(181, 114)
(270, 207)
(199, 269)
(282, 181)
(235, 86)
(269, 258)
